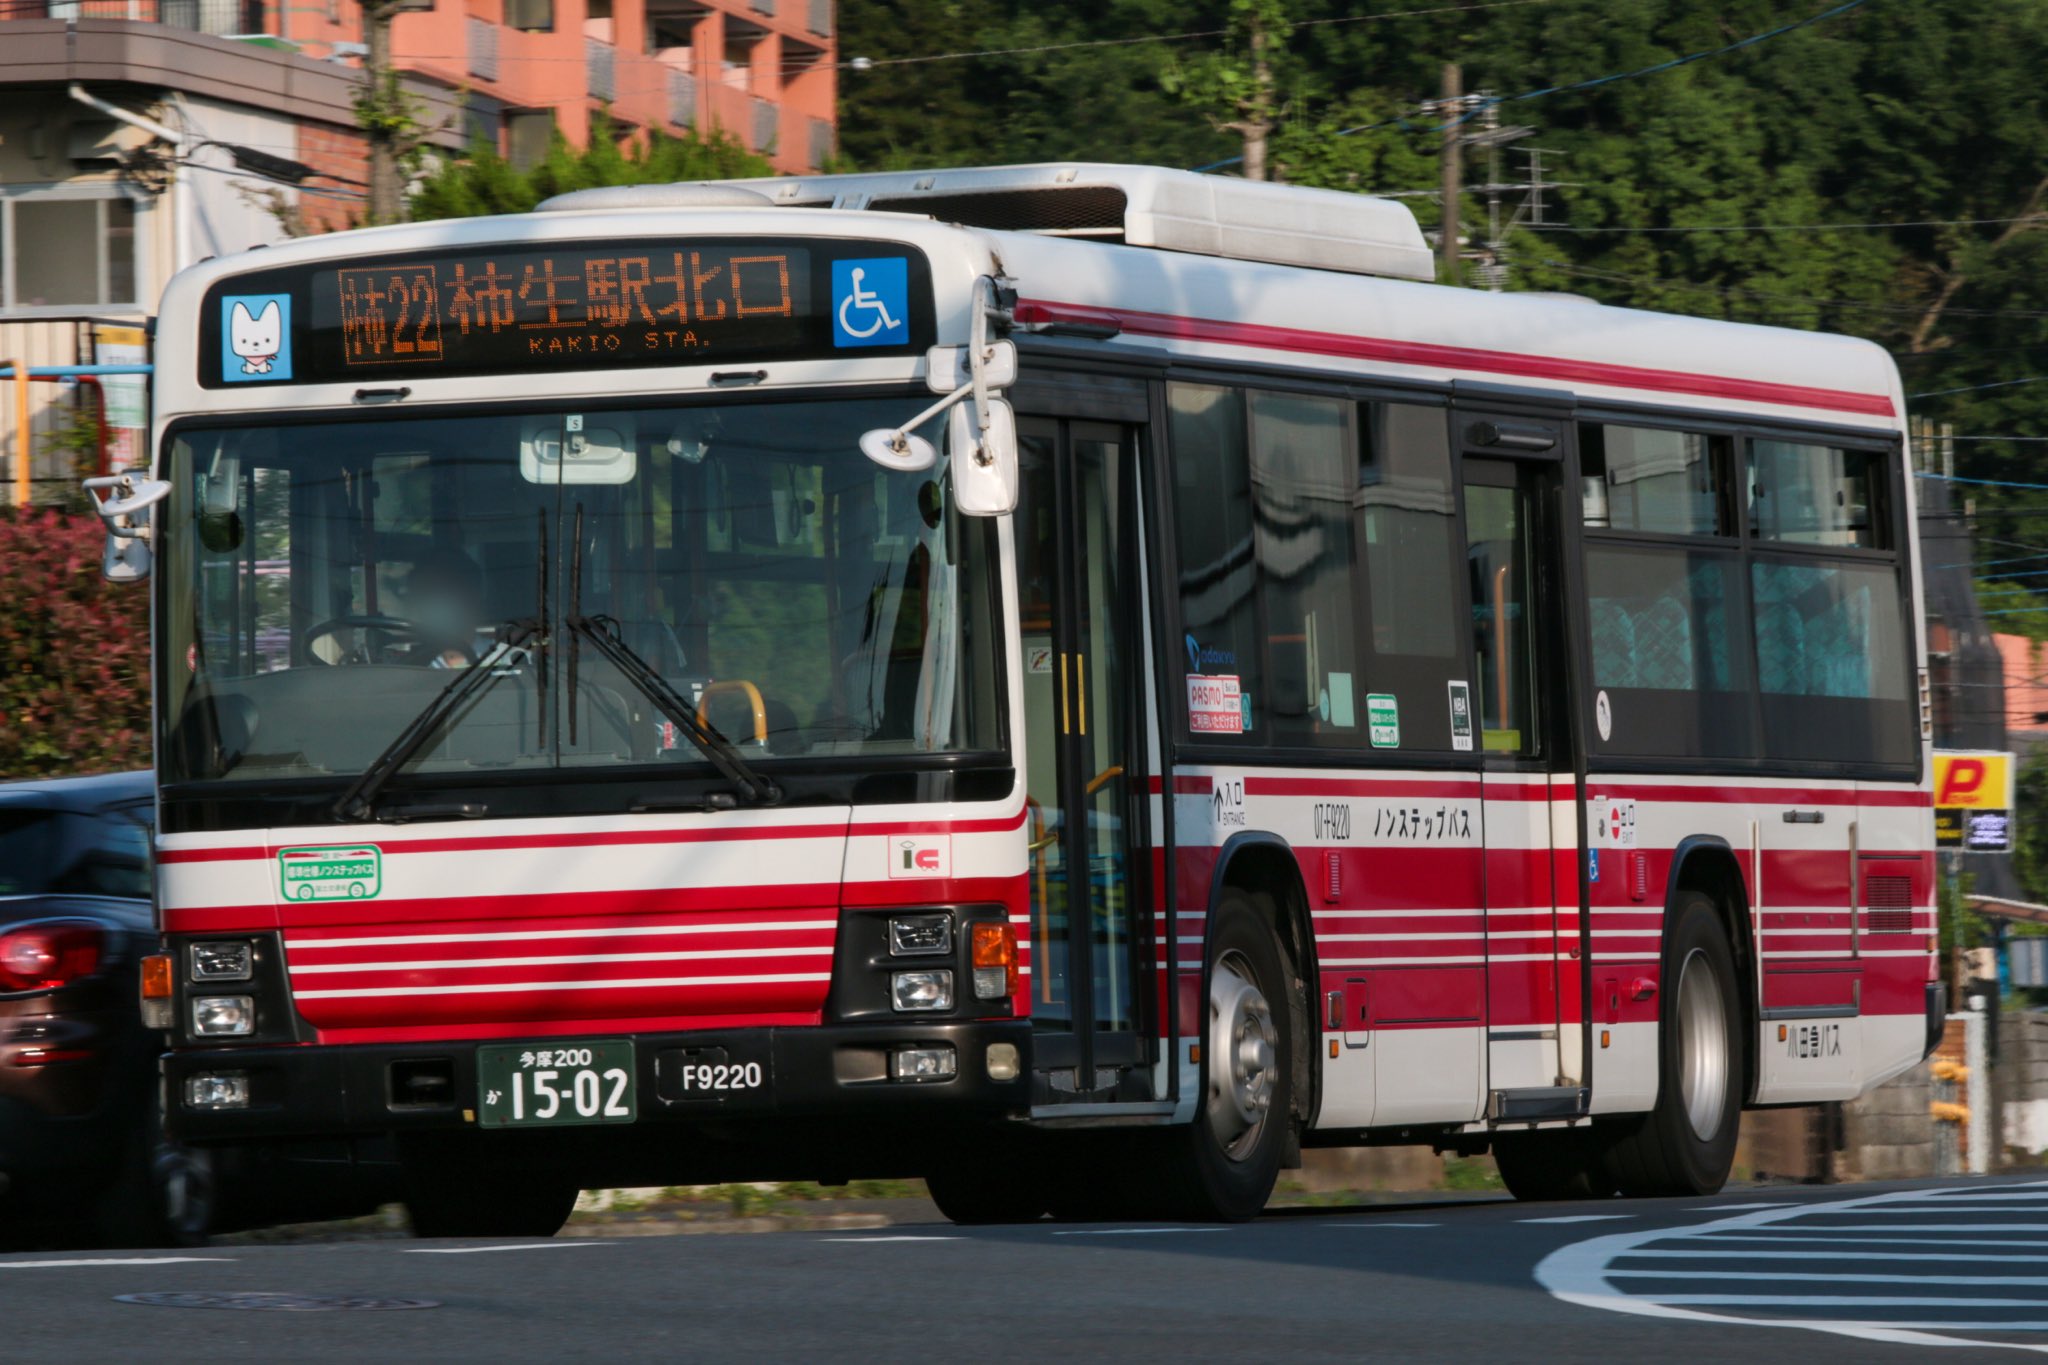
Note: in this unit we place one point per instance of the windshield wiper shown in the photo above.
(603, 634)
(359, 802)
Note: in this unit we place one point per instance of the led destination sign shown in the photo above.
(570, 306)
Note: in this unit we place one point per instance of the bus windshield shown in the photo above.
(325, 584)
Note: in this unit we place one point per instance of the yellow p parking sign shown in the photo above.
(1973, 800)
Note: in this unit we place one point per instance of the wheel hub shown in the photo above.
(1702, 1018)
(1243, 1056)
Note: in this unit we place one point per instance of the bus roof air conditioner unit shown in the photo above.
(1144, 206)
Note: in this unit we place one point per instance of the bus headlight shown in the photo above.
(922, 991)
(223, 1016)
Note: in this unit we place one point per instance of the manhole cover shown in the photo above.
(288, 1303)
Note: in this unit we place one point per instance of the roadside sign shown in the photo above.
(1973, 800)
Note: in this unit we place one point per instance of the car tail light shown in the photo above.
(41, 957)
(995, 961)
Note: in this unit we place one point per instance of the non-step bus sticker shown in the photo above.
(341, 872)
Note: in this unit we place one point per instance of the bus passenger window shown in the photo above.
(1817, 495)
(1408, 540)
(1302, 473)
(1218, 571)
(1660, 482)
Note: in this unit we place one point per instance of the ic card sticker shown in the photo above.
(914, 855)
(1461, 716)
(1215, 705)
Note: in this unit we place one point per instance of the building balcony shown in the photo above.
(222, 18)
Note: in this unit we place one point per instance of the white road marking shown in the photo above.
(1609, 1273)
(1383, 1225)
(1579, 1218)
(901, 1237)
(1126, 1232)
(1833, 1277)
(1830, 1255)
(109, 1260)
(1734, 1208)
(513, 1246)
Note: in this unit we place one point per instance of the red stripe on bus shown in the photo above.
(1261, 336)
(508, 843)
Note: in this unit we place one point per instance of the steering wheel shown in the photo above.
(391, 625)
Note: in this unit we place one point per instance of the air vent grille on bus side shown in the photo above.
(1070, 210)
(1891, 904)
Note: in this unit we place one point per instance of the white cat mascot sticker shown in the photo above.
(255, 338)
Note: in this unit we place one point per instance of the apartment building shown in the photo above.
(139, 136)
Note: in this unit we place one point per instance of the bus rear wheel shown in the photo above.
(1686, 1144)
(1562, 1164)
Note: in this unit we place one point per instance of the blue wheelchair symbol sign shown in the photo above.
(870, 303)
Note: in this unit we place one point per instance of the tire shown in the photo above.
(1222, 1167)
(1557, 1164)
(1686, 1144)
(1012, 1195)
(450, 1197)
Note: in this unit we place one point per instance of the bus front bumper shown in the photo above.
(353, 1089)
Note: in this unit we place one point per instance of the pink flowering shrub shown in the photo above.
(74, 694)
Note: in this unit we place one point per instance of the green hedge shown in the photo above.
(75, 694)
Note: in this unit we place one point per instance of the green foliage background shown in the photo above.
(1901, 111)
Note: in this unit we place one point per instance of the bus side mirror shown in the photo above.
(126, 517)
(984, 463)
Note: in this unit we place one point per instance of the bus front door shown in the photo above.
(1082, 630)
(1515, 565)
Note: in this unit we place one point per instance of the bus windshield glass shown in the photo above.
(325, 584)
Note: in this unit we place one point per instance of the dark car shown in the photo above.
(83, 1159)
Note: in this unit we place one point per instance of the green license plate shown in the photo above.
(551, 1085)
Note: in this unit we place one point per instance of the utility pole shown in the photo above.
(1452, 106)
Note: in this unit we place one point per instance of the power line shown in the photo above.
(1658, 282)
(1657, 68)
(862, 64)
(1974, 388)
(1801, 227)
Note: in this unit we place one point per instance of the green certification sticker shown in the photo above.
(348, 872)
(1383, 720)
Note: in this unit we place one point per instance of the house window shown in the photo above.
(528, 133)
(63, 250)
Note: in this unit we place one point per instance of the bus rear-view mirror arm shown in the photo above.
(982, 431)
(125, 512)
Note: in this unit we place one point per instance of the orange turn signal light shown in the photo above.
(995, 945)
(157, 975)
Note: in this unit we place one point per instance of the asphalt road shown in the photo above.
(1852, 1273)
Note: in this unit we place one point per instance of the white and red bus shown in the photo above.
(616, 727)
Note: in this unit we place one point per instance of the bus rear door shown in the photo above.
(1514, 456)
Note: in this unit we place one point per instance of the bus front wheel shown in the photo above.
(1223, 1166)
(1686, 1144)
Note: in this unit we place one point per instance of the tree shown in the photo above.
(1236, 86)
(388, 115)
(484, 182)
